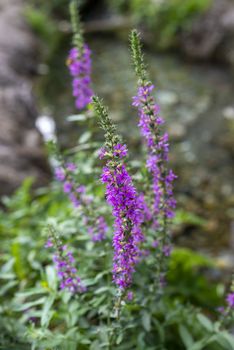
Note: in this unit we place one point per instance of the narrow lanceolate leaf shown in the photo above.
(47, 312)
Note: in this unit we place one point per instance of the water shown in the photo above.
(197, 103)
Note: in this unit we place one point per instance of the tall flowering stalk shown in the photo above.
(85, 204)
(96, 225)
(123, 198)
(64, 264)
(156, 140)
(79, 62)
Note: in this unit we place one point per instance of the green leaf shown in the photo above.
(30, 304)
(200, 344)
(226, 340)
(146, 321)
(7, 286)
(85, 137)
(160, 329)
(186, 336)
(119, 338)
(185, 217)
(51, 277)
(102, 290)
(205, 322)
(46, 313)
(29, 292)
(209, 339)
(77, 118)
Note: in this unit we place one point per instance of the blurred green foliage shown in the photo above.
(37, 313)
(164, 18)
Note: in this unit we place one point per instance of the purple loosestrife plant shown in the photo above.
(96, 225)
(79, 62)
(156, 140)
(123, 198)
(64, 264)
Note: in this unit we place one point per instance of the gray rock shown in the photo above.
(21, 146)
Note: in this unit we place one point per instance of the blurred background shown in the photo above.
(189, 48)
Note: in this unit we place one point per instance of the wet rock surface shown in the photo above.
(21, 148)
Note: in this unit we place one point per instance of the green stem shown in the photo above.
(78, 39)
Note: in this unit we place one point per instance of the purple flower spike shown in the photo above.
(122, 196)
(80, 69)
(96, 227)
(158, 148)
(64, 265)
(230, 300)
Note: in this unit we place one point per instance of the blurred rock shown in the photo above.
(228, 113)
(211, 36)
(167, 97)
(21, 147)
(176, 131)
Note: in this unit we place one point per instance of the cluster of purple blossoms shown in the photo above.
(98, 233)
(76, 193)
(67, 273)
(97, 228)
(230, 300)
(79, 64)
(158, 147)
(122, 196)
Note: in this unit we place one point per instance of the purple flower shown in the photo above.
(81, 189)
(49, 244)
(230, 300)
(79, 64)
(102, 153)
(158, 148)
(102, 228)
(67, 273)
(145, 210)
(67, 187)
(163, 202)
(130, 296)
(221, 309)
(167, 250)
(64, 175)
(98, 232)
(122, 196)
(59, 174)
(71, 167)
(96, 226)
(155, 244)
(120, 150)
(142, 95)
(74, 199)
